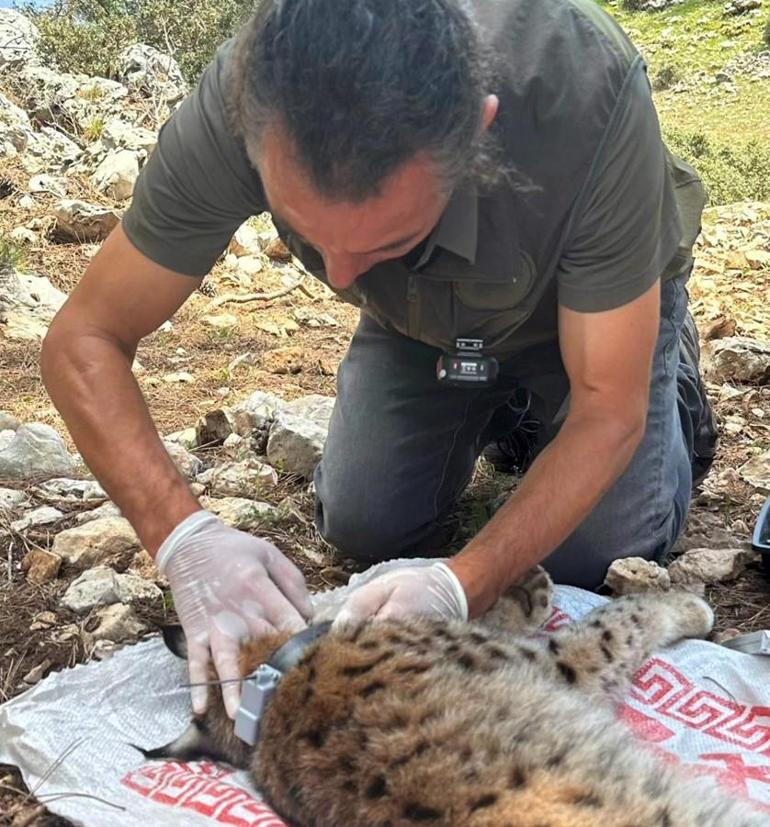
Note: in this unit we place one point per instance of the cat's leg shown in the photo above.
(523, 607)
(603, 651)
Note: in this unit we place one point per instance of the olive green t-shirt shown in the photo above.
(595, 211)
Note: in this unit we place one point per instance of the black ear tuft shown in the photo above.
(176, 642)
(194, 744)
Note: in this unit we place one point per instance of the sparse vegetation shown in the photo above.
(93, 130)
(766, 33)
(12, 255)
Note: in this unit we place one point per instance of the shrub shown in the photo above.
(766, 33)
(12, 255)
(730, 171)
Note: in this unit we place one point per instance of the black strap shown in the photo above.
(292, 652)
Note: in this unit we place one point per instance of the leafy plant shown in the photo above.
(12, 255)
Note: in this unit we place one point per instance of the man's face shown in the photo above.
(352, 238)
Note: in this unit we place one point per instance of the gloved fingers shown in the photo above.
(365, 602)
(291, 583)
(198, 668)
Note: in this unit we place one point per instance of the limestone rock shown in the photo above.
(314, 406)
(152, 73)
(186, 438)
(285, 360)
(633, 575)
(116, 623)
(108, 509)
(41, 566)
(710, 565)
(16, 131)
(240, 512)
(36, 450)
(45, 515)
(188, 464)
(50, 149)
(214, 427)
(8, 422)
(107, 540)
(220, 321)
(117, 134)
(18, 39)
(704, 529)
(12, 499)
(28, 303)
(80, 221)
(756, 471)
(73, 490)
(117, 174)
(245, 241)
(101, 586)
(255, 412)
(248, 478)
(277, 250)
(298, 436)
(736, 359)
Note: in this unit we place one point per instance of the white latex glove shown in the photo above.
(228, 586)
(432, 591)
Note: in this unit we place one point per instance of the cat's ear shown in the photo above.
(175, 640)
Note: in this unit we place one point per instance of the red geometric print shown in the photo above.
(201, 789)
(659, 686)
(643, 726)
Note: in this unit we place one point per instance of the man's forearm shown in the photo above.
(89, 380)
(559, 491)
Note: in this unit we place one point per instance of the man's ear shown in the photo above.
(489, 111)
(175, 640)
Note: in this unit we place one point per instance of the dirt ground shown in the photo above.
(295, 344)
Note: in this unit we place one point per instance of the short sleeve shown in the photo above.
(627, 226)
(198, 185)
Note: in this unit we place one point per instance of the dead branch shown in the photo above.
(254, 297)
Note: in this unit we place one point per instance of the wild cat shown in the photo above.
(470, 725)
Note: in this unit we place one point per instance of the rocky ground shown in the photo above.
(241, 382)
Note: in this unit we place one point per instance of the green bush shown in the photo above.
(88, 35)
(731, 172)
(766, 33)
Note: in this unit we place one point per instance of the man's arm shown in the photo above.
(86, 366)
(608, 358)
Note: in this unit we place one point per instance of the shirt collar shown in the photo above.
(457, 229)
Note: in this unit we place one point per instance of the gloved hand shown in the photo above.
(228, 586)
(432, 591)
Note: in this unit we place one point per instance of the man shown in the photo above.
(493, 172)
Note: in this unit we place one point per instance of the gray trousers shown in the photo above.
(401, 449)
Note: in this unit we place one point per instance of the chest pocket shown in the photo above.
(502, 293)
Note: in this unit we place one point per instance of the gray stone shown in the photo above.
(152, 73)
(186, 438)
(756, 471)
(73, 490)
(736, 359)
(101, 586)
(12, 499)
(116, 623)
(255, 412)
(40, 566)
(50, 149)
(314, 407)
(704, 529)
(710, 565)
(633, 575)
(36, 450)
(117, 134)
(44, 515)
(249, 479)
(8, 422)
(23, 235)
(16, 131)
(240, 512)
(188, 464)
(108, 509)
(28, 304)
(214, 427)
(18, 39)
(108, 540)
(80, 221)
(116, 174)
(296, 444)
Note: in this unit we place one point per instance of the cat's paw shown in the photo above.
(691, 615)
(523, 607)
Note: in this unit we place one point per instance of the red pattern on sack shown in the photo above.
(200, 788)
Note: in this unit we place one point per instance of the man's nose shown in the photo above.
(343, 270)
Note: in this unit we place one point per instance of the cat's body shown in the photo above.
(466, 726)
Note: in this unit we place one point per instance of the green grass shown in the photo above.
(723, 130)
(12, 256)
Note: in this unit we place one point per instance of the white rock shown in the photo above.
(117, 134)
(77, 490)
(8, 422)
(108, 540)
(101, 586)
(44, 183)
(315, 407)
(214, 427)
(50, 149)
(233, 441)
(117, 174)
(116, 623)
(11, 499)
(736, 359)
(36, 450)
(6, 438)
(18, 39)
(245, 241)
(152, 73)
(23, 235)
(255, 412)
(633, 575)
(298, 436)
(80, 221)
(186, 438)
(250, 265)
(108, 509)
(248, 478)
(710, 565)
(188, 464)
(756, 471)
(220, 321)
(44, 515)
(241, 513)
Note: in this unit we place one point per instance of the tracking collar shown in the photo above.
(259, 686)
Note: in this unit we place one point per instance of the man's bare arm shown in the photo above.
(608, 358)
(86, 365)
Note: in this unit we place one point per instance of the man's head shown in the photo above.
(362, 116)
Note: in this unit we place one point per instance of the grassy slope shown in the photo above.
(723, 129)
